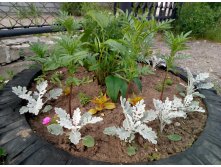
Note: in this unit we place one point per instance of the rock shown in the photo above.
(4, 54)
(177, 124)
(15, 67)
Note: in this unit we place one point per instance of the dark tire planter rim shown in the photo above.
(34, 150)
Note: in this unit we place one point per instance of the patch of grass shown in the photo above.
(169, 82)
(158, 87)
(213, 33)
(84, 99)
(10, 74)
(153, 157)
(2, 82)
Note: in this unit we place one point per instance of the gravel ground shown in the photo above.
(205, 57)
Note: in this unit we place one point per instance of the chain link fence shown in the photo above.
(17, 18)
(23, 18)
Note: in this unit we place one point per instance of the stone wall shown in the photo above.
(15, 51)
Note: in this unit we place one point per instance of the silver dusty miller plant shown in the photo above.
(169, 110)
(35, 99)
(73, 124)
(154, 60)
(135, 119)
(200, 81)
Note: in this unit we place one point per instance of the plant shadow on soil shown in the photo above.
(111, 149)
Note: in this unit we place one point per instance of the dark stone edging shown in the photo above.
(34, 150)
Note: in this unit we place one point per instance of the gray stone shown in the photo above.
(14, 53)
(3, 56)
(15, 67)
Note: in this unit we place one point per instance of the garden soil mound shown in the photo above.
(111, 149)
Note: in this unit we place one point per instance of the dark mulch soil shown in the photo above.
(111, 149)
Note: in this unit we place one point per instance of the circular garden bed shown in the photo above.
(25, 147)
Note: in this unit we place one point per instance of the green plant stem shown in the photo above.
(70, 98)
(128, 89)
(163, 85)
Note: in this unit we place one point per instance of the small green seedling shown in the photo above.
(40, 79)
(169, 81)
(2, 152)
(88, 141)
(131, 150)
(84, 99)
(3, 155)
(158, 87)
(56, 78)
(10, 74)
(153, 157)
(174, 137)
(2, 82)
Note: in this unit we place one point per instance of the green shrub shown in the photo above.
(195, 17)
(73, 8)
(81, 8)
(213, 33)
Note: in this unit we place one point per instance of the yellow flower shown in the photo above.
(134, 100)
(66, 90)
(101, 103)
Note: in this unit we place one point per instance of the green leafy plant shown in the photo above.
(174, 137)
(39, 49)
(56, 78)
(194, 21)
(72, 8)
(176, 44)
(169, 82)
(84, 99)
(115, 85)
(40, 78)
(64, 21)
(88, 141)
